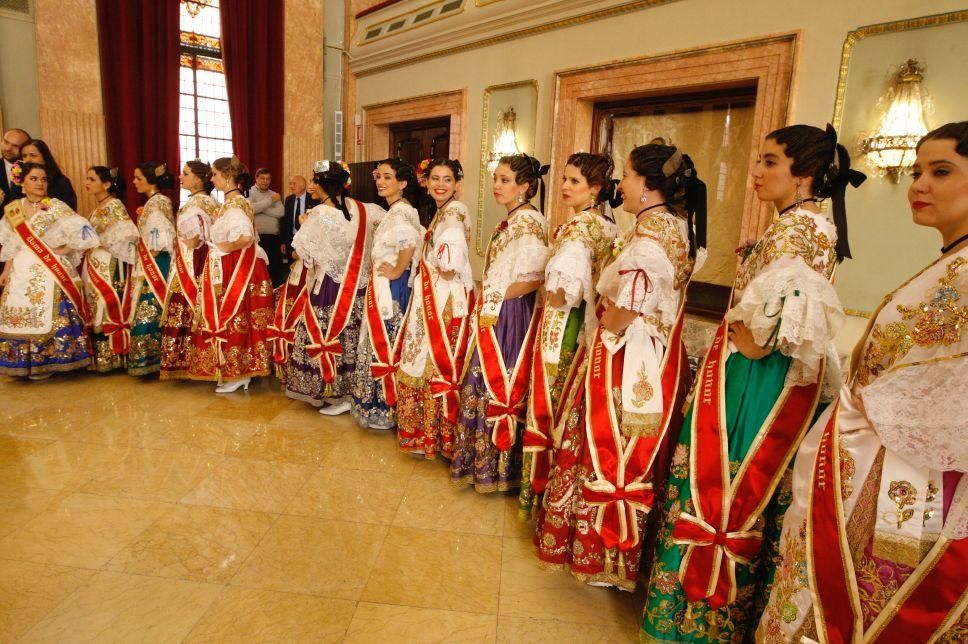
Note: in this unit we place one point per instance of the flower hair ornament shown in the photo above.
(17, 173)
(113, 173)
(325, 165)
(423, 166)
(161, 169)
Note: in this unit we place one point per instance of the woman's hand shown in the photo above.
(557, 298)
(192, 242)
(742, 338)
(616, 319)
(62, 250)
(447, 275)
(385, 270)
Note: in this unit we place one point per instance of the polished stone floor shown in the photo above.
(146, 511)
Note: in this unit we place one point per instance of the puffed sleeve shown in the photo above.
(529, 252)
(642, 280)
(193, 222)
(72, 231)
(315, 239)
(235, 225)
(450, 243)
(157, 229)
(401, 230)
(120, 239)
(9, 241)
(570, 270)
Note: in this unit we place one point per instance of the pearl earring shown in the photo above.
(798, 198)
(520, 197)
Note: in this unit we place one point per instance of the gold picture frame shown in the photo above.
(486, 132)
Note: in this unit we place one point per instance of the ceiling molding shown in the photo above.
(483, 26)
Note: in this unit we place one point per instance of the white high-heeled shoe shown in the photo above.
(229, 387)
(335, 409)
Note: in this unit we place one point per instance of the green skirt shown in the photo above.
(569, 345)
(752, 388)
(145, 355)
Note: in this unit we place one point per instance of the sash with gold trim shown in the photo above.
(926, 605)
(720, 534)
(217, 316)
(448, 361)
(15, 217)
(386, 354)
(156, 281)
(282, 331)
(117, 325)
(186, 276)
(508, 391)
(622, 487)
(326, 346)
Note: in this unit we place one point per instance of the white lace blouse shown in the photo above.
(156, 224)
(398, 231)
(518, 252)
(325, 240)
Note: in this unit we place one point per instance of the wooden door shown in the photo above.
(414, 141)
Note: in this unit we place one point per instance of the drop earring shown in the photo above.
(642, 198)
(520, 197)
(798, 198)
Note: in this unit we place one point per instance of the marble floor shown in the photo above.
(146, 511)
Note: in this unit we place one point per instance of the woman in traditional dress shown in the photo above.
(395, 242)
(59, 186)
(756, 394)
(875, 542)
(437, 328)
(334, 244)
(611, 458)
(147, 288)
(569, 319)
(106, 268)
(192, 223)
(487, 449)
(43, 312)
(230, 336)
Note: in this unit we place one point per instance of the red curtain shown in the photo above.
(252, 49)
(139, 78)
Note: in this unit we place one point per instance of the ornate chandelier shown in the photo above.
(505, 143)
(890, 148)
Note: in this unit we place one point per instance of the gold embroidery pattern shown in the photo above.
(848, 469)
(642, 391)
(28, 317)
(790, 580)
(796, 234)
(664, 229)
(937, 321)
(108, 214)
(903, 493)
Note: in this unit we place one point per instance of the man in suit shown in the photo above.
(298, 202)
(13, 139)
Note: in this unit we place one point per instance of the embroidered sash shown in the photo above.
(720, 534)
(386, 355)
(326, 346)
(927, 603)
(156, 281)
(51, 261)
(448, 361)
(537, 434)
(117, 325)
(217, 317)
(622, 487)
(185, 273)
(289, 310)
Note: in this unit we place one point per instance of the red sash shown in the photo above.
(386, 354)
(622, 487)
(720, 534)
(325, 347)
(448, 362)
(925, 605)
(116, 326)
(186, 276)
(217, 317)
(282, 331)
(49, 259)
(156, 281)
(508, 392)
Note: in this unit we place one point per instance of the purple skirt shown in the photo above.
(303, 378)
(476, 460)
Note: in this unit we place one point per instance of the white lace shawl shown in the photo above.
(120, 239)
(231, 225)
(156, 224)
(917, 403)
(397, 231)
(325, 240)
(449, 248)
(571, 266)
(193, 219)
(517, 253)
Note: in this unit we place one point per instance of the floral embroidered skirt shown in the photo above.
(145, 355)
(104, 359)
(752, 388)
(565, 534)
(422, 427)
(303, 377)
(176, 324)
(64, 348)
(370, 407)
(477, 461)
(247, 351)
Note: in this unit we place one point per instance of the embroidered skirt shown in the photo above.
(176, 324)
(64, 348)
(145, 355)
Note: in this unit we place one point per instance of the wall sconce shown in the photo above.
(505, 143)
(890, 148)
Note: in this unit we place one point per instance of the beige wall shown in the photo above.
(823, 26)
(304, 88)
(19, 93)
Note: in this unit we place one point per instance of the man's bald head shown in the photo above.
(297, 184)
